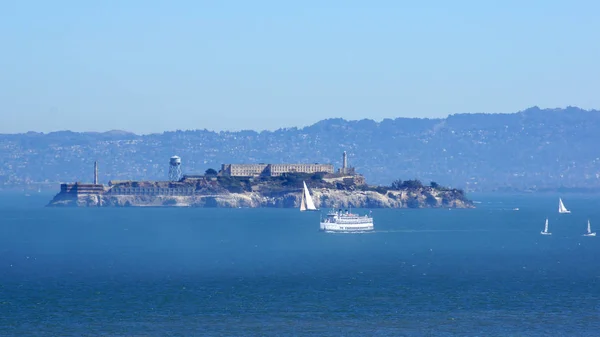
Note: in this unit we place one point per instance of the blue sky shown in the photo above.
(149, 66)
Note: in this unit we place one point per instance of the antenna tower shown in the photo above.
(95, 173)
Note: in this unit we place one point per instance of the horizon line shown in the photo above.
(535, 107)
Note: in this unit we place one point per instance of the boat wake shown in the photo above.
(432, 230)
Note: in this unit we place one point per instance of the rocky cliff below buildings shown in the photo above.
(325, 198)
(227, 192)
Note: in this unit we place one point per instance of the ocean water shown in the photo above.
(270, 272)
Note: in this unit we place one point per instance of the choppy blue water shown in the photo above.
(270, 272)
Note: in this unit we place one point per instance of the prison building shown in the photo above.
(272, 170)
(275, 170)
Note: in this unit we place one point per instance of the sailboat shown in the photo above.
(561, 207)
(589, 230)
(545, 231)
(307, 204)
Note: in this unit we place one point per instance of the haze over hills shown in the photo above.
(531, 149)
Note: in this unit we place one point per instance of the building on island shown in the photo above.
(185, 185)
(272, 170)
(243, 170)
(84, 188)
(275, 170)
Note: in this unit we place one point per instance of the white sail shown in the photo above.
(310, 205)
(589, 227)
(561, 207)
(589, 230)
(545, 231)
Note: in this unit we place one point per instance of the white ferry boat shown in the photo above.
(338, 221)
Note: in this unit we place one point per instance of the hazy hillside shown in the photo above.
(542, 148)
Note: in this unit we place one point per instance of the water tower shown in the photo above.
(175, 168)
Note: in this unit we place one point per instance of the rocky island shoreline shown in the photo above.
(285, 191)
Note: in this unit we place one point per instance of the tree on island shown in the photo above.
(434, 185)
(412, 184)
(211, 172)
(396, 184)
(408, 184)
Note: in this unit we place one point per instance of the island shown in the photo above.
(260, 185)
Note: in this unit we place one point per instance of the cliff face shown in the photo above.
(323, 198)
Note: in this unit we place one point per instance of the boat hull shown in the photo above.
(590, 234)
(545, 233)
(337, 227)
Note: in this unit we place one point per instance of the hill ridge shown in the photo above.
(530, 149)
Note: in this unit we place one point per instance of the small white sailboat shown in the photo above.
(306, 204)
(545, 231)
(561, 207)
(589, 230)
